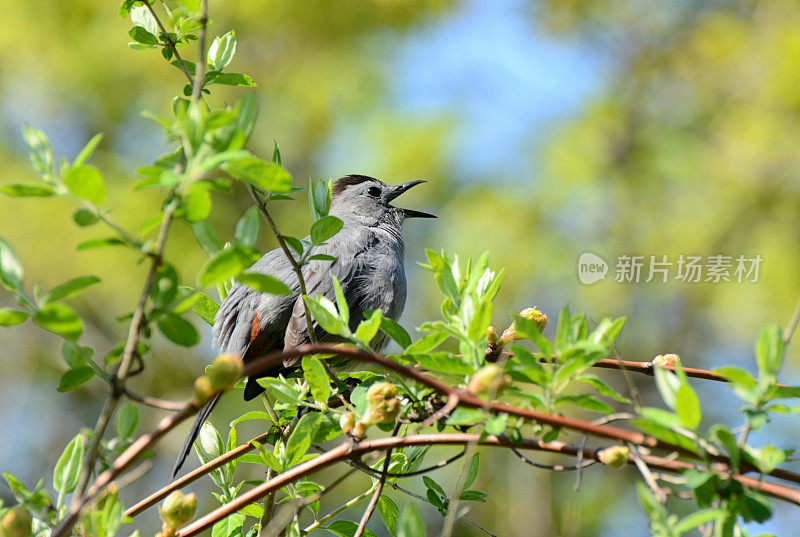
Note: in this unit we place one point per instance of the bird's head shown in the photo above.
(368, 201)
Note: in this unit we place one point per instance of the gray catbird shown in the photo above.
(369, 266)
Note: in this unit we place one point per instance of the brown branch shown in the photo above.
(120, 464)
(469, 400)
(194, 475)
(153, 402)
(349, 450)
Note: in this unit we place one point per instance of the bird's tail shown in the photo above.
(202, 416)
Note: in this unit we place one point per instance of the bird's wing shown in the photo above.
(318, 279)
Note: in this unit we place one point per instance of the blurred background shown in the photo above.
(545, 130)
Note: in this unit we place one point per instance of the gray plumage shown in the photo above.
(369, 252)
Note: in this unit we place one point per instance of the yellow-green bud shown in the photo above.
(614, 456)
(509, 335)
(225, 371)
(489, 379)
(533, 314)
(382, 404)
(16, 523)
(202, 390)
(666, 359)
(347, 422)
(177, 510)
(491, 336)
(360, 429)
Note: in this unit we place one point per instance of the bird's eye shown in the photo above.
(374, 191)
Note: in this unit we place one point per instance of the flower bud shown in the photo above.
(202, 391)
(666, 359)
(533, 314)
(614, 456)
(360, 430)
(177, 510)
(347, 422)
(225, 371)
(509, 335)
(16, 523)
(383, 406)
(491, 336)
(489, 379)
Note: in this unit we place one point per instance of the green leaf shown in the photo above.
(75, 378)
(69, 289)
(465, 416)
(221, 51)
(396, 332)
(440, 362)
(427, 343)
(205, 235)
(68, 467)
(697, 518)
(141, 16)
(563, 329)
(10, 317)
(28, 190)
(687, 406)
(368, 328)
(11, 272)
(59, 319)
(317, 379)
(410, 523)
(346, 528)
(140, 35)
(480, 320)
(668, 384)
(203, 306)
(389, 513)
(603, 388)
(300, 440)
(41, 153)
(247, 228)
(178, 330)
(665, 434)
(224, 265)
(88, 150)
(84, 217)
(325, 228)
(263, 283)
(769, 351)
(767, 457)
(252, 415)
(86, 183)
(341, 302)
(127, 421)
(584, 401)
(196, 203)
(100, 243)
(246, 110)
(324, 316)
(230, 79)
(260, 173)
(229, 527)
(472, 473)
(755, 506)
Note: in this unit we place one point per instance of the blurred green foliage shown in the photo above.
(689, 147)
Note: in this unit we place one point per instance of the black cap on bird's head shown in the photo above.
(367, 197)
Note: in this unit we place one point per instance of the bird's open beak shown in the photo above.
(409, 213)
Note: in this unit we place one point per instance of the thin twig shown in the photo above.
(647, 475)
(134, 332)
(295, 265)
(197, 87)
(373, 502)
(792, 326)
(170, 44)
(153, 402)
(120, 464)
